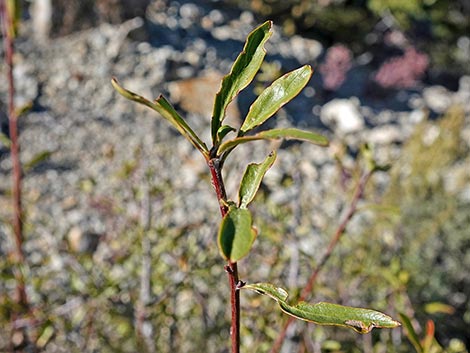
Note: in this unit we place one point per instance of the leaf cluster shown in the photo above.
(236, 232)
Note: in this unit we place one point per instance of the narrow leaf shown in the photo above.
(411, 333)
(37, 159)
(292, 133)
(243, 71)
(252, 178)
(428, 339)
(359, 319)
(283, 90)
(166, 110)
(14, 12)
(236, 234)
(23, 109)
(437, 307)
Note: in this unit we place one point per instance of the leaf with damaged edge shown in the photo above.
(359, 319)
(166, 110)
(243, 71)
(252, 178)
(282, 91)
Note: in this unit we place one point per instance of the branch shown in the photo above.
(215, 166)
(21, 297)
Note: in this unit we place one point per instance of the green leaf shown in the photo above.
(166, 110)
(283, 90)
(38, 158)
(359, 319)
(243, 71)
(438, 307)
(252, 178)
(293, 133)
(236, 234)
(411, 333)
(14, 12)
(224, 130)
(23, 109)
(5, 140)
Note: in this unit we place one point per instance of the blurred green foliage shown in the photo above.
(417, 242)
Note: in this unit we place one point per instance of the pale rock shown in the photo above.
(438, 98)
(342, 116)
(80, 241)
(462, 97)
(196, 95)
(41, 14)
(384, 135)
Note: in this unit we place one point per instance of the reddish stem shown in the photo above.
(21, 297)
(7, 26)
(358, 193)
(215, 167)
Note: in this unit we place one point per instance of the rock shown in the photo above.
(41, 13)
(342, 116)
(196, 95)
(304, 50)
(462, 97)
(81, 241)
(438, 98)
(384, 135)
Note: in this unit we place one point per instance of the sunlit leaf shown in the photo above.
(283, 90)
(359, 319)
(236, 234)
(165, 109)
(243, 71)
(252, 178)
(288, 133)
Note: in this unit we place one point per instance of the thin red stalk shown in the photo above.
(21, 297)
(232, 268)
(7, 25)
(358, 193)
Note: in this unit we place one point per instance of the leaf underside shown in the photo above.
(359, 319)
(273, 134)
(252, 179)
(236, 234)
(166, 110)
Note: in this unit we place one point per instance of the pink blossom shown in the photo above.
(403, 71)
(337, 64)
